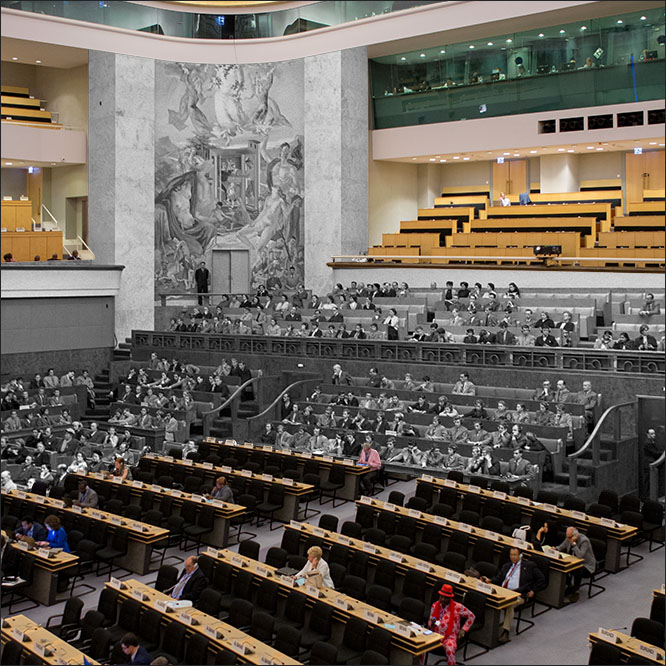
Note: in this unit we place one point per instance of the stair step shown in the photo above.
(604, 454)
(584, 480)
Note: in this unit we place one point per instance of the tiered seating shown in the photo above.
(19, 105)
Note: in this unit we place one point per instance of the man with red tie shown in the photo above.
(521, 576)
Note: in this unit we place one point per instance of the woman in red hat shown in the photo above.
(445, 619)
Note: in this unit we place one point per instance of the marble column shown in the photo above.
(121, 149)
(559, 173)
(336, 160)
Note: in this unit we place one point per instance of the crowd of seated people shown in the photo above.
(299, 314)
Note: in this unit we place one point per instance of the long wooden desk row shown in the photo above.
(26, 245)
(220, 634)
(40, 642)
(263, 452)
(293, 490)
(616, 533)
(497, 598)
(409, 641)
(224, 511)
(141, 536)
(629, 646)
(559, 564)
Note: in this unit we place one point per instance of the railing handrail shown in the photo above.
(85, 245)
(597, 428)
(50, 215)
(659, 460)
(286, 390)
(230, 399)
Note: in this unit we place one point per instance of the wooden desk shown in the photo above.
(220, 634)
(462, 213)
(498, 600)
(559, 567)
(617, 533)
(630, 646)
(600, 211)
(39, 639)
(17, 214)
(353, 472)
(224, 512)
(405, 649)
(141, 535)
(44, 586)
(25, 245)
(292, 492)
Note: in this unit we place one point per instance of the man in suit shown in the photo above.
(137, 654)
(192, 582)
(545, 339)
(505, 336)
(31, 528)
(579, 545)
(202, 278)
(87, 496)
(645, 342)
(522, 576)
(340, 376)
(518, 466)
(544, 394)
(562, 393)
(464, 386)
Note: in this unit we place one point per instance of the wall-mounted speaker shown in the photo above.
(630, 119)
(656, 117)
(572, 124)
(604, 121)
(547, 127)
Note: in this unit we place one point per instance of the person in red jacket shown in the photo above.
(445, 619)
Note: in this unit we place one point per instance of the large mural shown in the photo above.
(229, 158)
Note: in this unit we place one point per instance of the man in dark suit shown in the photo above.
(520, 575)
(340, 376)
(645, 342)
(505, 336)
(202, 278)
(192, 582)
(31, 528)
(545, 339)
(137, 654)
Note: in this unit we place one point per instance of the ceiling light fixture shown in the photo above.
(583, 27)
(14, 58)
(422, 55)
(442, 160)
(509, 41)
(560, 150)
(432, 159)
(532, 152)
(443, 51)
(541, 34)
(465, 158)
(507, 153)
(490, 43)
(403, 58)
(620, 21)
(39, 62)
(9, 163)
(471, 46)
(643, 18)
(571, 150)
(562, 31)
(456, 157)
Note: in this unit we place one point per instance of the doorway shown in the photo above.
(230, 272)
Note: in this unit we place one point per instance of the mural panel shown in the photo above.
(229, 160)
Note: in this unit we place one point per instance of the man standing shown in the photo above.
(652, 450)
(370, 458)
(588, 398)
(579, 545)
(202, 278)
(522, 576)
(445, 619)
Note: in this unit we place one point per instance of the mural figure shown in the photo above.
(229, 170)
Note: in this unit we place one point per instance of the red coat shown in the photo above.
(437, 613)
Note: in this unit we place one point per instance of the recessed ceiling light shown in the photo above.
(562, 31)
(619, 21)
(442, 160)
(14, 58)
(465, 158)
(432, 159)
(443, 51)
(413, 158)
(456, 157)
(560, 150)
(583, 27)
(39, 62)
(53, 163)
(403, 58)
(490, 43)
(533, 151)
(471, 46)
(9, 163)
(643, 18)
(437, 156)
(507, 153)
(516, 154)
(661, 144)
(599, 148)
(571, 150)
(421, 55)
(541, 34)
(653, 143)
(509, 41)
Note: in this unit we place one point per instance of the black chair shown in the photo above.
(108, 605)
(249, 548)
(454, 561)
(173, 642)
(149, 632)
(378, 596)
(599, 548)
(572, 503)
(425, 551)
(196, 649)
(128, 619)
(523, 491)
(469, 517)
(400, 543)
(396, 497)
(653, 521)
(492, 523)
(86, 552)
(610, 499)
(312, 496)
(603, 653)
(385, 574)
(334, 483)
(91, 620)
(100, 645)
(365, 516)
(323, 654)
(354, 586)
(636, 520)
(11, 653)
(70, 618)
(287, 641)
(379, 639)
(204, 525)
(629, 502)
(476, 602)
(167, 577)
(547, 497)
(599, 510)
(293, 614)
(418, 503)
(351, 529)
(267, 596)
(15, 587)
(338, 573)
(174, 524)
(500, 486)
(648, 631)
(482, 551)
(444, 510)
(353, 640)
(657, 609)
(261, 626)
(209, 602)
(115, 506)
(222, 576)
(133, 512)
(246, 518)
(412, 610)
(241, 589)
(413, 586)
(455, 475)
(225, 657)
(432, 535)
(386, 521)
(274, 502)
(116, 548)
(480, 481)
(192, 485)
(458, 543)
(319, 627)
(328, 522)
(276, 557)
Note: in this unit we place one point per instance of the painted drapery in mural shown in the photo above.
(229, 158)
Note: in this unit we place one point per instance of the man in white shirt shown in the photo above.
(504, 200)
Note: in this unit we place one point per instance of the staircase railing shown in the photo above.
(232, 402)
(610, 417)
(50, 214)
(654, 476)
